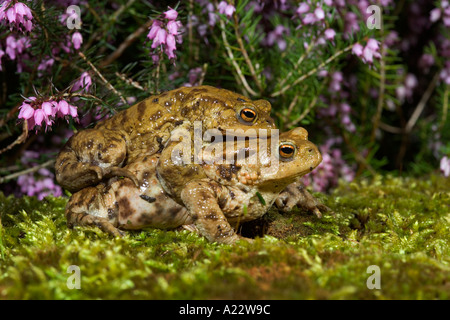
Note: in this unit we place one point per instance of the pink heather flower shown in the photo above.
(226, 9)
(48, 108)
(310, 18)
(302, 8)
(165, 35)
(319, 13)
(358, 50)
(171, 46)
(172, 27)
(16, 14)
(73, 111)
(84, 82)
(156, 26)
(77, 40)
(444, 166)
(368, 52)
(160, 38)
(171, 14)
(329, 34)
(435, 14)
(63, 108)
(38, 116)
(26, 111)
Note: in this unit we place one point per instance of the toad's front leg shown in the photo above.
(201, 198)
(296, 194)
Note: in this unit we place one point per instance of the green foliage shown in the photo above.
(399, 224)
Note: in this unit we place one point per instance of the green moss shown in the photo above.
(400, 225)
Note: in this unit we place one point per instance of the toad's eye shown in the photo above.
(248, 115)
(286, 151)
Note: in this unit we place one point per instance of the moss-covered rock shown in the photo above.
(400, 225)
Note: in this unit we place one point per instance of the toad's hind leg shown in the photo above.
(90, 156)
(86, 208)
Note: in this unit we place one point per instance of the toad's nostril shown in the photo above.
(310, 150)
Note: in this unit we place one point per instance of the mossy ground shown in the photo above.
(402, 225)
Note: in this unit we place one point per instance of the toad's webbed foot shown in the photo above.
(296, 194)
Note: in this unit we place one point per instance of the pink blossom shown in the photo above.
(444, 166)
(26, 111)
(310, 18)
(226, 9)
(84, 82)
(172, 27)
(63, 108)
(171, 14)
(435, 14)
(329, 34)
(368, 52)
(302, 8)
(357, 50)
(319, 13)
(73, 111)
(38, 116)
(18, 15)
(156, 26)
(171, 46)
(48, 109)
(77, 40)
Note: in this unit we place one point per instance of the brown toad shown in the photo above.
(215, 199)
(93, 155)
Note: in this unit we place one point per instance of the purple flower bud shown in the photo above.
(310, 18)
(329, 34)
(77, 40)
(171, 14)
(319, 13)
(172, 27)
(47, 107)
(38, 116)
(302, 8)
(444, 166)
(357, 50)
(435, 14)
(156, 26)
(171, 46)
(63, 108)
(26, 111)
(73, 111)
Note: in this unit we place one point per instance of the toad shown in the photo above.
(214, 200)
(95, 155)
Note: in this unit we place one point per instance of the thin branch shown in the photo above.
(444, 108)
(313, 71)
(125, 44)
(29, 170)
(109, 85)
(422, 103)
(233, 60)
(247, 59)
(203, 74)
(20, 139)
(130, 81)
(298, 63)
(304, 113)
(382, 88)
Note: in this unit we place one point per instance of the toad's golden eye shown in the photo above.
(248, 115)
(286, 151)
